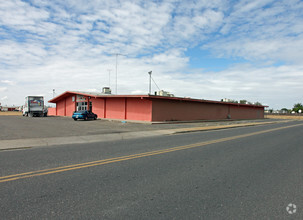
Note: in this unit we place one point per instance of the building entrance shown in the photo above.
(83, 106)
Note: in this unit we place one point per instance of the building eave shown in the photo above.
(184, 99)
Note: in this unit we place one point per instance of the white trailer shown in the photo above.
(34, 106)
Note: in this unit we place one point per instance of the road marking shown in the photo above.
(129, 157)
(217, 127)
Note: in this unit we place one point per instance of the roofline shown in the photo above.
(203, 100)
(55, 99)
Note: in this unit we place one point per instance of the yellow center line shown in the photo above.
(129, 157)
(225, 126)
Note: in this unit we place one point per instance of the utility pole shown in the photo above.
(117, 54)
(150, 72)
(109, 77)
(53, 93)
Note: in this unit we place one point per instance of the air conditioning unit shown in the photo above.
(164, 93)
(106, 90)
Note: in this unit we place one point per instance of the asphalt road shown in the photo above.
(241, 173)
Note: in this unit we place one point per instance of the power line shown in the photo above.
(155, 83)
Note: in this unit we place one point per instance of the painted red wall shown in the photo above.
(122, 108)
(61, 107)
(70, 106)
(138, 109)
(98, 106)
(175, 110)
(243, 112)
(115, 108)
(65, 107)
(51, 111)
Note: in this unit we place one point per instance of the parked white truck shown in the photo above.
(34, 106)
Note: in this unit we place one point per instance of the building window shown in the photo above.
(81, 106)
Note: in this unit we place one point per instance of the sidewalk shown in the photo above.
(50, 141)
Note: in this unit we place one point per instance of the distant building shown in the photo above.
(9, 108)
(227, 100)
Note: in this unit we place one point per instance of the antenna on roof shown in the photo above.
(109, 77)
(117, 54)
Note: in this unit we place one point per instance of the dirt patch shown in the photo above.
(293, 117)
(10, 113)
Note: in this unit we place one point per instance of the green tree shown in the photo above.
(298, 107)
(285, 110)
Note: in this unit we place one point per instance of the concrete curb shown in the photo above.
(56, 141)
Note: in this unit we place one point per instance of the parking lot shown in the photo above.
(19, 127)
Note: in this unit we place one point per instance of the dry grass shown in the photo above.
(293, 117)
(10, 113)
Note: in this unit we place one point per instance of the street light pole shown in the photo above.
(117, 73)
(150, 72)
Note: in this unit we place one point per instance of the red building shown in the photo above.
(152, 108)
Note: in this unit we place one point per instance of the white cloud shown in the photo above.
(4, 98)
(69, 45)
(262, 30)
(20, 14)
(137, 92)
(8, 82)
(2, 89)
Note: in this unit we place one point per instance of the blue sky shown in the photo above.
(204, 49)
